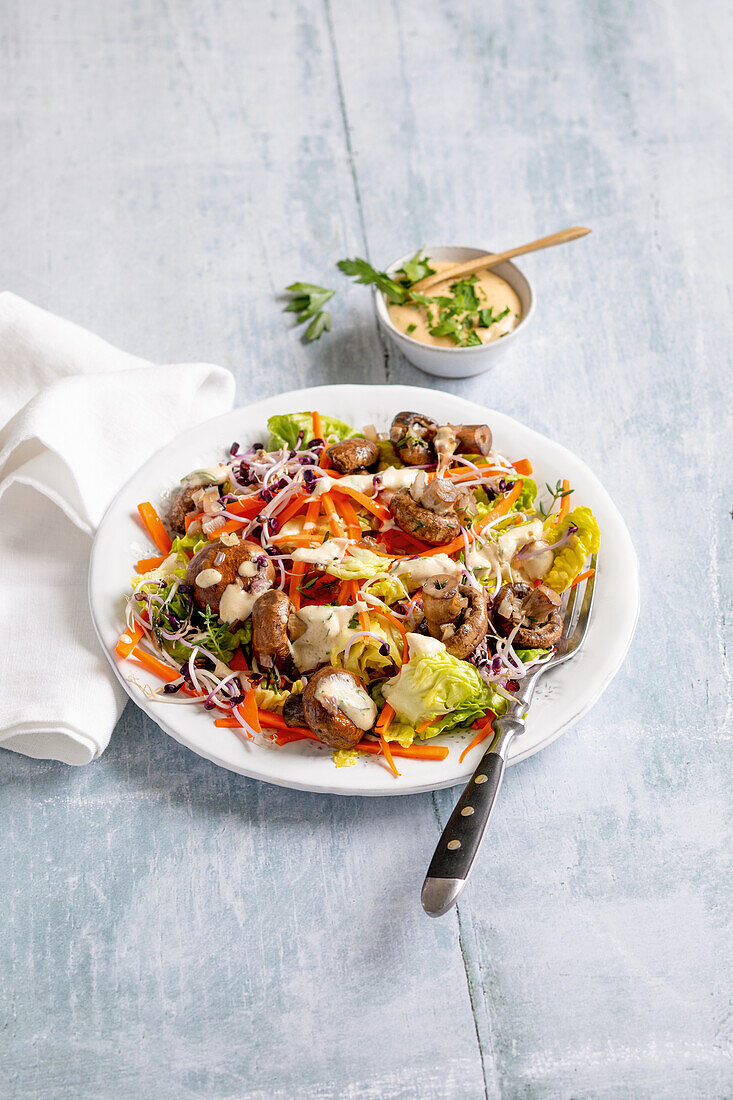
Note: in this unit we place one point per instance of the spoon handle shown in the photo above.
(459, 845)
(492, 259)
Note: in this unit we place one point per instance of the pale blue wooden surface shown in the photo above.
(171, 930)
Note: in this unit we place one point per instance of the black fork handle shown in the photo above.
(462, 837)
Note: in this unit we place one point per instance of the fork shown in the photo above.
(459, 845)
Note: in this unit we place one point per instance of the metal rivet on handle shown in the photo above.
(481, 779)
(453, 844)
(466, 811)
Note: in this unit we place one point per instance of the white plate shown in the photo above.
(563, 698)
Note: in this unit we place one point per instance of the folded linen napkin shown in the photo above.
(77, 418)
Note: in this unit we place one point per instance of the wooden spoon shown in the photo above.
(459, 271)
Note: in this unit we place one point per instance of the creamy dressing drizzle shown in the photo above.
(236, 604)
(207, 578)
(325, 627)
(350, 698)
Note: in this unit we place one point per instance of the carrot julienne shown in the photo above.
(583, 577)
(249, 712)
(128, 640)
(152, 664)
(485, 729)
(154, 526)
(146, 564)
(381, 511)
(564, 502)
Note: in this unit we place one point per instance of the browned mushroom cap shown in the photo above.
(321, 699)
(533, 611)
(293, 711)
(473, 439)
(180, 505)
(421, 522)
(411, 435)
(445, 497)
(455, 613)
(213, 568)
(271, 616)
(352, 455)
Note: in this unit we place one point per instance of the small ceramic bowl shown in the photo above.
(457, 362)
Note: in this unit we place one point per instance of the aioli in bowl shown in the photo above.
(493, 309)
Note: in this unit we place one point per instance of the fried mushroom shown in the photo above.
(534, 611)
(456, 614)
(228, 578)
(181, 503)
(293, 711)
(421, 522)
(273, 625)
(472, 439)
(412, 434)
(352, 456)
(337, 707)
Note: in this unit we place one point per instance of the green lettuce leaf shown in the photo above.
(284, 429)
(570, 561)
(528, 655)
(434, 684)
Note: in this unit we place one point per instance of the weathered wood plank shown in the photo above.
(178, 931)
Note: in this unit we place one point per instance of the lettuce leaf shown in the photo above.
(284, 430)
(570, 561)
(528, 655)
(434, 685)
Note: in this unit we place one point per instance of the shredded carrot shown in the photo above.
(583, 577)
(152, 664)
(501, 508)
(384, 720)
(384, 743)
(247, 508)
(188, 520)
(146, 564)
(416, 752)
(346, 509)
(272, 720)
(334, 520)
(483, 733)
(374, 748)
(564, 502)
(291, 509)
(296, 733)
(225, 528)
(128, 640)
(379, 510)
(424, 725)
(485, 726)
(311, 518)
(154, 526)
(396, 623)
(317, 425)
(248, 710)
(523, 466)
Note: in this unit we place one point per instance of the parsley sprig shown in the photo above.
(308, 301)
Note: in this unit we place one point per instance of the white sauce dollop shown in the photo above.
(350, 698)
(207, 578)
(236, 604)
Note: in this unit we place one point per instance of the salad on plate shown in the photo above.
(363, 590)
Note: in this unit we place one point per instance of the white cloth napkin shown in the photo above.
(77, 418)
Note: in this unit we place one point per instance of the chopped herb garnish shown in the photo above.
(410, 328)
(364, 273)
(416, 269)
(308, 301)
